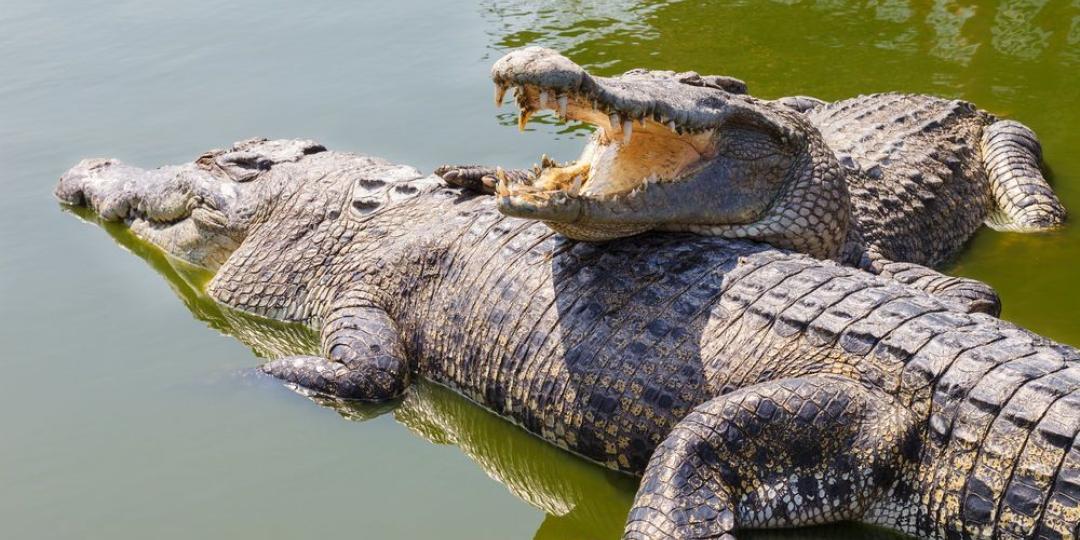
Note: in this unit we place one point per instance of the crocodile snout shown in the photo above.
(96, 183)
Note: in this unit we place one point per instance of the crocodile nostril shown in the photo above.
(370, 184)
(365, 206)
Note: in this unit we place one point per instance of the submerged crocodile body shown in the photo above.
(750, 386)
(870, 181)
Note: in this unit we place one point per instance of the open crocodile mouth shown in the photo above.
(647, 132)
(627, 151)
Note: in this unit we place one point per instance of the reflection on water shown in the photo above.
(266, 338)
(1015, 58)
(602, 33)
(947, 21)
(603, 27)
(582, 500)
(1016, 31)
(999, 41)
(940, 46)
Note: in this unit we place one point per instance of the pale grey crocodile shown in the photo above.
(751, 387)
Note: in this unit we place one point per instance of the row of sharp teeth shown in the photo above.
(546, 163)
(618, 121)
(502, 186)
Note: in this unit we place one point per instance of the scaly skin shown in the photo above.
(871, 181)
(924, 173)
(751, 387)
(579, 502)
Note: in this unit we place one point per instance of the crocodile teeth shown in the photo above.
(546, 161)
(614, 119)
(627, 131)
(671, 125)
(575, 186)
(502, 187)
(500, 94)
(564, 101)
(523, 118)
(543, 99)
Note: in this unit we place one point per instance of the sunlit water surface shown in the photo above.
(126, 413)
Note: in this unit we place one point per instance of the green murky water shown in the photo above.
(124, 411)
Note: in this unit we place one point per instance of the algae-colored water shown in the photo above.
(124, 411)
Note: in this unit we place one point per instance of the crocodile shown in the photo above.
(579, 500)
(749, 386)
(883, 182)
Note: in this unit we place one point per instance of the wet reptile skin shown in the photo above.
(751, 387)
(923, 173)
(891, 183)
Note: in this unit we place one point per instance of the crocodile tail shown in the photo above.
(1023, 200)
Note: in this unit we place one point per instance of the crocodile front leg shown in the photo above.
(794, 452)
(481, 178)
(362, 357)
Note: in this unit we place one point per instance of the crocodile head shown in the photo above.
(198, 212)
(673, 151)
(271, 220)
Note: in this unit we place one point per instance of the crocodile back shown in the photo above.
(1000, 457)
(916, 179)
(603, 348)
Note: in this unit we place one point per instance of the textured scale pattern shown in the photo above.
(894, 184)
(924, 173)
(749, 386)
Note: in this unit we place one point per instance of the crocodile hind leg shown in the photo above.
(1023, 200)
(362, 357)
(786, 453)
